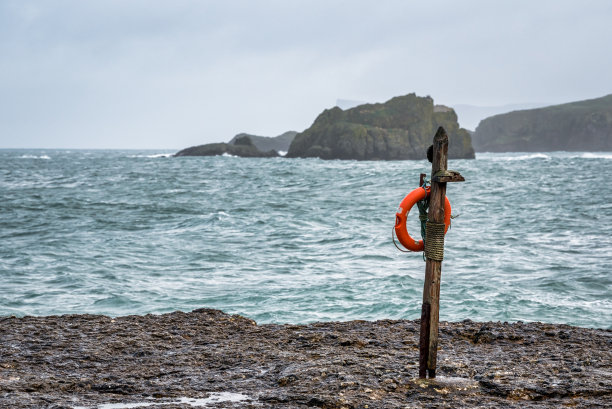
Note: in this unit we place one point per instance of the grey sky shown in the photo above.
(171, 74)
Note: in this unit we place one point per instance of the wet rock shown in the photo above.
(286, 380)
(88, 360)
(484, 336)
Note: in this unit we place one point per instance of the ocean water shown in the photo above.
(301, 240)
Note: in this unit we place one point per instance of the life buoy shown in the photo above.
(402, 215)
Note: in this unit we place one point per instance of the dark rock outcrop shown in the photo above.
(242, 146)
(401, 128)
(266, 143)
(577, 126)
(230, 361)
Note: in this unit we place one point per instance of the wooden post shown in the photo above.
(428, 351)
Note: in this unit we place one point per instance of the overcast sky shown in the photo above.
(171, 74)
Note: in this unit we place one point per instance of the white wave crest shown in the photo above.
(35, 157)
(599, 155)
(227, 155)
(155, 155)
(525, 157)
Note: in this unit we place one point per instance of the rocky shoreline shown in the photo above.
(207, 358)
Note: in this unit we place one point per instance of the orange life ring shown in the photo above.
(402, 215)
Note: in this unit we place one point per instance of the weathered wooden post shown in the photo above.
(434, 253)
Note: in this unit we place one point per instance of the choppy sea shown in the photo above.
(301, 240)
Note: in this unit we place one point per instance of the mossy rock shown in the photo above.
(245, 149)
(401, 128)
(267, 143)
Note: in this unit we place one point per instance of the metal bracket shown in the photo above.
(443, 176)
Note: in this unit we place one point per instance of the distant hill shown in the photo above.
(242, 146)
(401, 128)
(576, 126)
(266, 143)
(471, 115)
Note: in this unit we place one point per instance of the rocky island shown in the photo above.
(207, 358)
(278, 143)
(244, 145)
(577, 126)
(241, 146)
(401, 128)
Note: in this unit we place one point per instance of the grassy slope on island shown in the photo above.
(401, 128)
(576, 126)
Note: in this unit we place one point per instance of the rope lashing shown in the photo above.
(432, 233)
(434, 242)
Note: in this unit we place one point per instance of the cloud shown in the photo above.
(171, 74)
